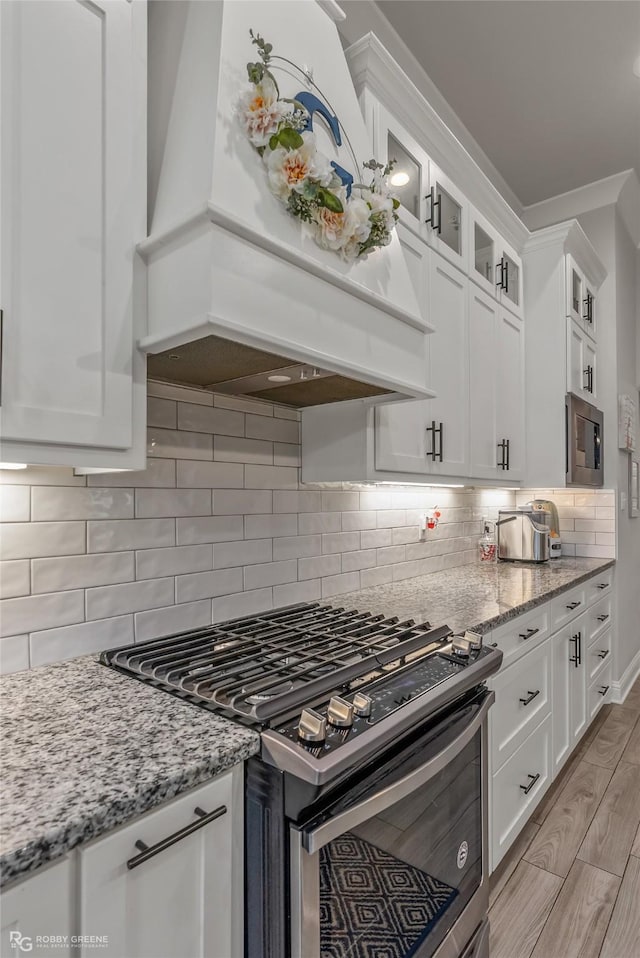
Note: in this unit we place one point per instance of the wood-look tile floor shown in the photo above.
(570, 885)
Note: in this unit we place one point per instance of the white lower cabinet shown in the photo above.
(556, 675)
(37, 913)
(177, 902)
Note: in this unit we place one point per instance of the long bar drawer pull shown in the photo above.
(603, 618)
(602, 585)
(148, 851)
(527, 788)
(530, 696)
(528, 633)
(604, 653)
(603, 690)
(573, 605)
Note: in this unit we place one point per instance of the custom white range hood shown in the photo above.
(236, 290)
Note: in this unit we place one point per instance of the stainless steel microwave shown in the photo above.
(585, 449)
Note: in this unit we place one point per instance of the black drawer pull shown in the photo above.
(530, 696)
(573, 605)
(148, 851)
(528, 633)
(577, 657)
(527, 788)
(602, 585)
(604, 617)
(603, 653)
(603, 690)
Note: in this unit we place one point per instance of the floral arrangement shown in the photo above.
(352, 222)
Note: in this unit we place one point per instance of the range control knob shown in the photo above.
(340, 712)
(362, 704)
(312, 727)
(460, 646)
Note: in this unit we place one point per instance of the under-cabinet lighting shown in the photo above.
(13, 465)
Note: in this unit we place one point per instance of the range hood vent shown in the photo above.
(236, 287)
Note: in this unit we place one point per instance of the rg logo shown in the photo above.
(20, 941)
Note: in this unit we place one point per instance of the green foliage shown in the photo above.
(329, 200)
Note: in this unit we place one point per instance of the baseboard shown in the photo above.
(620, 688)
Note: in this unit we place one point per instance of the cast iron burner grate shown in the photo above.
(263, 666)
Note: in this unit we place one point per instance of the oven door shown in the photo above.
(396, 864)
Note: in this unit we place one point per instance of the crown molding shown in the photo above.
(332, 10)
(571, 238)
(372, 67)
(621, 190)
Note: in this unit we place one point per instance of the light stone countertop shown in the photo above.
(85, 749)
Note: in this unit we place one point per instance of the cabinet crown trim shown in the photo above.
(573, 239)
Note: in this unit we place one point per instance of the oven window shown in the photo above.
(395, 883)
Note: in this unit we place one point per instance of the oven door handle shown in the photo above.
(316, 838)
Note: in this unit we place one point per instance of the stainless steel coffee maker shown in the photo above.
(523, 535)
(546, 505)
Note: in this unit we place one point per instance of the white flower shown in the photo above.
(288, 170)
(344, 231)
(260, 112)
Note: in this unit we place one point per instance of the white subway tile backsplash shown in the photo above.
(25, 540)
(171, 619)
(379, 576)
(391, 518)
(81, 572)
(242, 502)
(340, 542)
(209, 529)
(15, 579)
(125, 534)
(270, 477)
(35, 612)
(172, 502)
(305, 501)
(309, 591)
(286, 454)
(162, 413)
(310, 523)
(391, 555)
(338, 584)
(207, 585)
(53, 645)
(277, 430)
(605, 539)
(584, 517)
(209, 475)
(606, 512)
(238, 449)
(270, 573)
(242, 604)
(362, 559)
(284, 412)
(109, 600)
(155, 563)
(296, 547)
(42, 476)
(226, 554)
(177, 444)
(356, 521)
(190, 394)
(14, 653)
(319, 566)
(595, 552)
(160, 473)
(595, 525)
(53, 503)
(340, 501)
(15, 504)
(243, 404)
(375, 538)
(204, 419)
(270, 526)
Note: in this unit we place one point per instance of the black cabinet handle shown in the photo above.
(504, 461)
(503, 282)
(603, 653)
(148, 851)
(436, 453)
(588, 372)
(528, 633)
(527, 788)
(434, 204)
(573, 605)
(506, 279)
(603, 617)
(602, 585)
(603, 690)
(576, 658)
(530, 696)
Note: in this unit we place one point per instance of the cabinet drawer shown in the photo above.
(523, 699)
(528, 768)
(598, 655)
(523, 634)
(599, 691)
(599, 586)
(598, 619)
(567, 606)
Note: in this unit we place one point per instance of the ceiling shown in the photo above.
(545, 87)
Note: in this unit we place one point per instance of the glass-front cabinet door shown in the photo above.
(575, 290)
(484, 243)
(589, 310)
(446, 214)
(409, 178)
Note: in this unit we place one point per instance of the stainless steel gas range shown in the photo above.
(365, 812)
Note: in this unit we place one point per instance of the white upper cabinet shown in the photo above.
(581, 363)
(446, 218)
(494, 264)
(72, 208)
(580, 297)
(510, 396)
